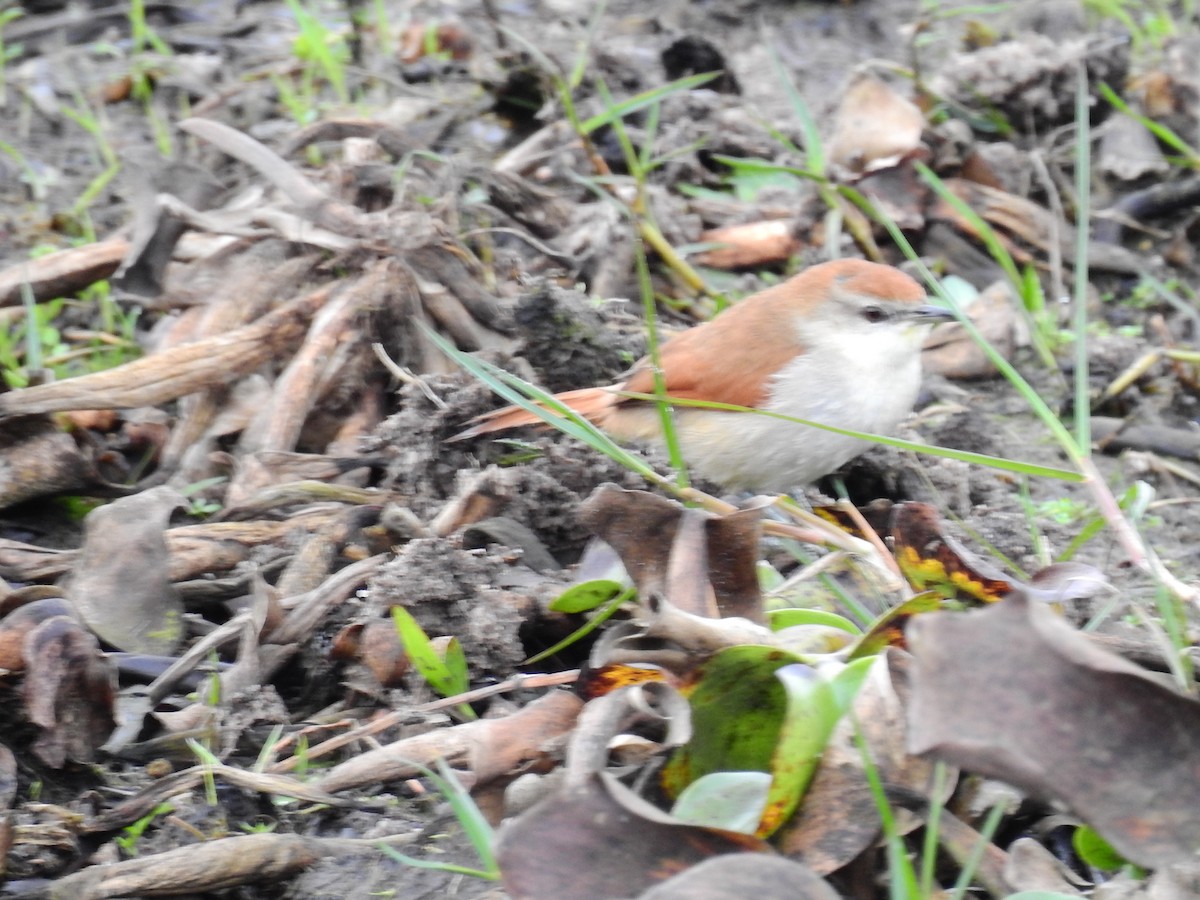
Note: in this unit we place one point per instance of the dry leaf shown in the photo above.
(120, 584)
(874, 127)
(754, 875)
(1128, 151)
(1012, 691)
(599, 839)
(69, 690)
(691, 558)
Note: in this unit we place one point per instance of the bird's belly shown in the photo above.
(745, 451)
(749, 451)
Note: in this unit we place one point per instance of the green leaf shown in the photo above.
(733, 801)
(445, 674)
(644, 99)
(1095, 850)
(738, 706)
(757, 709)
(846, 683)
(779, 619)
(812, 712)
(455, 659)
(586, 596)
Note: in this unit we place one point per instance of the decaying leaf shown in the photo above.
(1129, 151)
(69, 689)
(377, 646)
(874, 127)
(751, 244)
(599, 839)
(950, 351)
(1014, 692)
(40, 460)
(756, 709)
(703, 564)
(22, 620)
(121, 585)
(754, 875)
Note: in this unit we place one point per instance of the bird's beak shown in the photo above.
(930, 312)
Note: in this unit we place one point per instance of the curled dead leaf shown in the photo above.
(1014, 692)
(69, 691)
(874, 127)
(121, 585)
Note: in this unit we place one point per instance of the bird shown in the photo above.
(839, 343)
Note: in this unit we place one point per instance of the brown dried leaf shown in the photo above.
(1032, 225)
(1014, 692)
(377, 646)
(69, 690)
(754, 875)
(38, 459)
(599, 839)
(63, 273)
(690, 557)
(22, 620)
(749, 244)
(874, 127)
(1128, 151)
(121, 585)
(950, 351)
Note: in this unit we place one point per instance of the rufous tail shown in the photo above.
(591, 403)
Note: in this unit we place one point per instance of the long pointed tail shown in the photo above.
(591, 403)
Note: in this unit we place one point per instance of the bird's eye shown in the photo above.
(873, 313)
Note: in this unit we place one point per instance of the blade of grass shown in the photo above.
(640, 210)
(902, 881)
(474, 824)
(645, 98)
(1083, 183)
(544, 405)
(814, 148)
(998, 252)
(606, 613)
(1140, 553)
(1160, 131)
(993, 462)
(990, 824)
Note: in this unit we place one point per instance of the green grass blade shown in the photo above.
(1064, 437)
(1160, 131)
(814, 149)
(544, 405)
(1083, 185)
(992, 462)
(998, 252)
(644, 99)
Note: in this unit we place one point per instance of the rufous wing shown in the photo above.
(591, 403)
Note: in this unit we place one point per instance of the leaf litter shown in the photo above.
(278, 477)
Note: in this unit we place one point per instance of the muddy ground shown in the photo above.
(464, 89)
